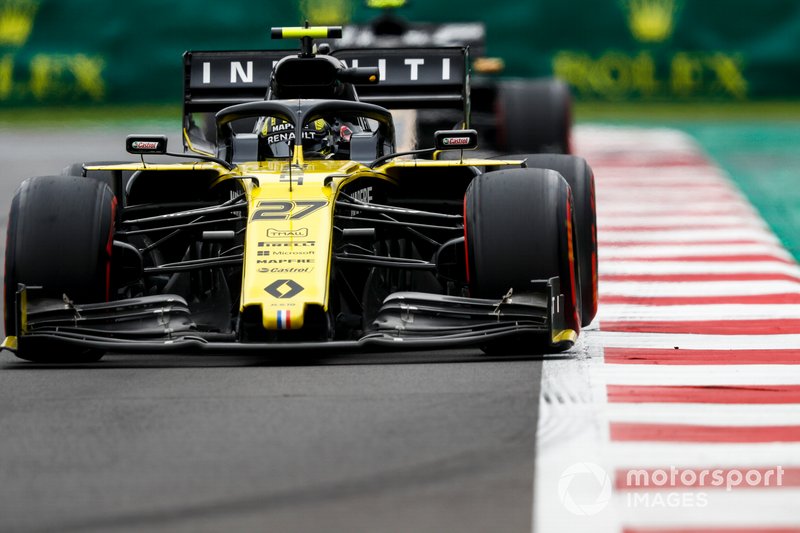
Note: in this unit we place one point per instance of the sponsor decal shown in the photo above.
(51, 77)
(362, 195)
(145, 145)
(653, 68)
(652, 21)
(285, 270)
(298, 244)
(289, 136)
(226, 70)
(290, 252)
(282, 261)
(283, 233)
(284, 288)
(327, 12)
(455, 141)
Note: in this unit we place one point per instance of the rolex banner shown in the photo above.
(57, 52)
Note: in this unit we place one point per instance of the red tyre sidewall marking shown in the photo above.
(571, 258)
(110, 246)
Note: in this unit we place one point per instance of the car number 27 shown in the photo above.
(286, 210)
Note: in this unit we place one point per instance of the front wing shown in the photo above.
(407, 321)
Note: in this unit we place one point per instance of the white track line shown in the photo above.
(663, 197)
(681, 222)
(693, 455)
(698, 288)
(682, 175)
(705, 414)
(692, 250)
(605, 237)
(589, 137)
(706, 312)
(711, 375)
(696, 206)
(624, 267)
(613, 339)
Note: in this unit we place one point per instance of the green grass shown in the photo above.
(85, 116)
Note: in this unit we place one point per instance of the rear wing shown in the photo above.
(409, 77)
(214, 80)
(414, 78)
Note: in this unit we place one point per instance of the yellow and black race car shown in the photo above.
(299, 226)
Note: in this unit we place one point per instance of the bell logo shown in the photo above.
(651, 21)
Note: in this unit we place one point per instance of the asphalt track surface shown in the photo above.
(443, 441)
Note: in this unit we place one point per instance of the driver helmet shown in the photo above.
(275, 135)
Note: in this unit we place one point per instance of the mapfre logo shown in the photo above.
(652, 21)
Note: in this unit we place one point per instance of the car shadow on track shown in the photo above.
(113, 361)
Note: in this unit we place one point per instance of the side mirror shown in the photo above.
(146, 144)
(456, 140)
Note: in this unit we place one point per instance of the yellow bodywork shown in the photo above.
(288, 243)
(287, 252)
(10, 343)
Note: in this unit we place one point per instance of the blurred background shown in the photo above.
(726, 71)
(57, 52)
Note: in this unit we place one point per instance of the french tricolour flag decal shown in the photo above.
(284, 319)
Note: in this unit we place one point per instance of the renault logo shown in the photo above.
(284, 288)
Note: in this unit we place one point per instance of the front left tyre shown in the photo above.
(520, 227)
(60, 235)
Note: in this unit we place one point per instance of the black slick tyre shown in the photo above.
(534, 116)
(115, 179)
(519, 227)
(578, 174)
(60, 235)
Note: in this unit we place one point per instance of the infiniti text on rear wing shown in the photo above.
(409, 77)
(413, 78)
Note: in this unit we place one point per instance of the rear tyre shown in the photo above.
(60, 235)
(109, 177)
(519, 227)
(578, 174)
(534, 116)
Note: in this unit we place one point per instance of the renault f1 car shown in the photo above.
(300, 226)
